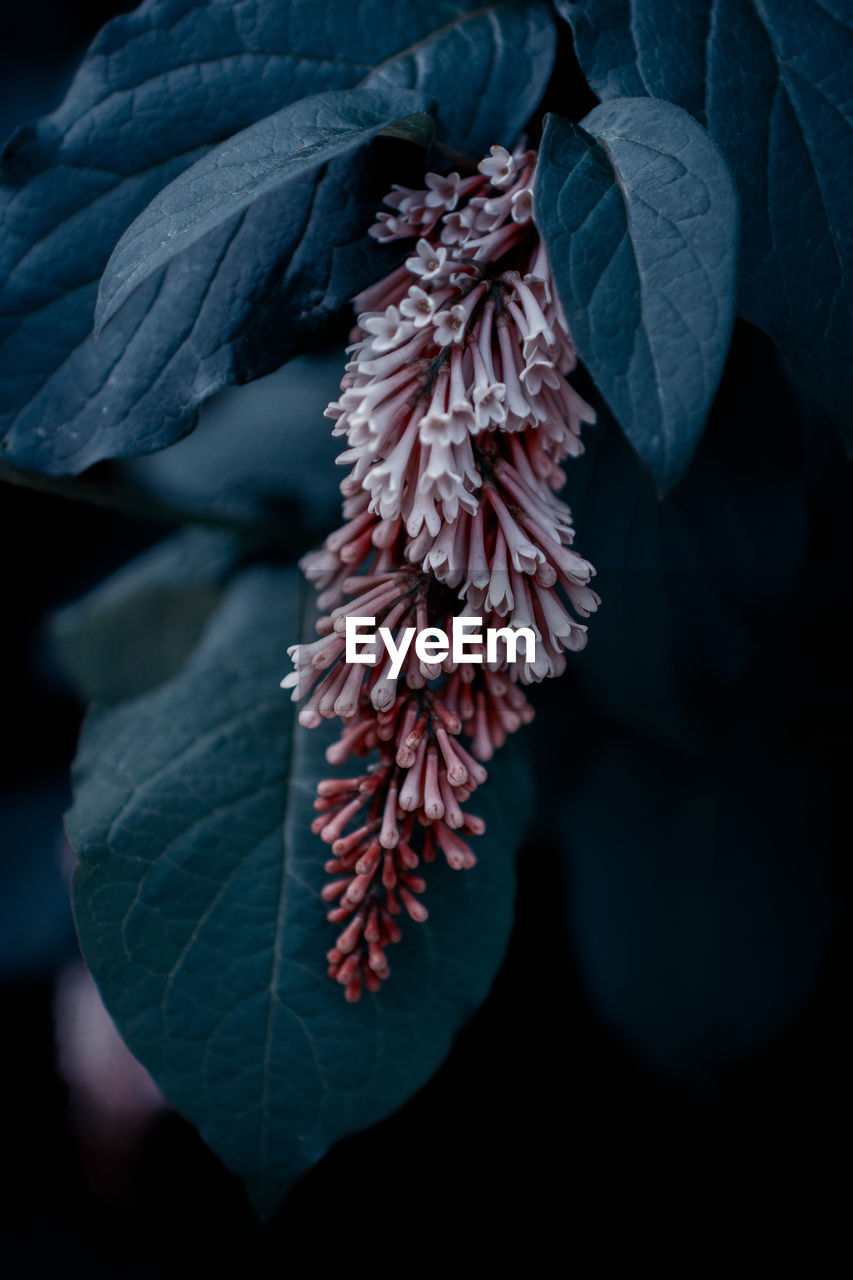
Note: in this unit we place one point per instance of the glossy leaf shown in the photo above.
(158, 88)
(268, 157)
(137, 628)
(262, 452)
(639, 214)
(771, 82)
(197, 903)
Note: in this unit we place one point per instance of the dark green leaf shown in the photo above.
(136, 629)
(197, 903)
(700, 898)
(159, 87)
(36, 931)
(276, 153)
(691, 584)
(771, 81)
(260, 452)
(639, 215)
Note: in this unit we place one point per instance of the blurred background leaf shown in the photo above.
(691, 585)
(263, 450)
(36, 931)
(137, 628)
(699, 896)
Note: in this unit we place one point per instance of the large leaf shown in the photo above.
(157, 89)
(175, 585)
(261, 452)
(276, 153)
(701, 903)
(639, 214)
(197, 903)
(693, 585)
(771, 81)
(36, 932)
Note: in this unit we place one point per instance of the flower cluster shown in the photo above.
(457, 413)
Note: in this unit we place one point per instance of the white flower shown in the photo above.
(522, 205)
(498, 209)
(489, 400)
(428, 261)
(439, 476)
(499, 167)
(443, 190)
(454, 229)
(464, 459)
(385, 481)
(388, 329)
(538, 371)
(477, 217)
(422, 512)
(386, 227)
(535, 323)
(434, 428)
(462, 421)
(450, 325)
(418, 306)
(405, 199)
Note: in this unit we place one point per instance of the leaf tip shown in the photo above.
(265, 1194)
(105, 309)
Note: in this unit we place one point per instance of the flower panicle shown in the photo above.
(457, 413)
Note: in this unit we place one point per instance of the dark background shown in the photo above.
(562, 1116)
